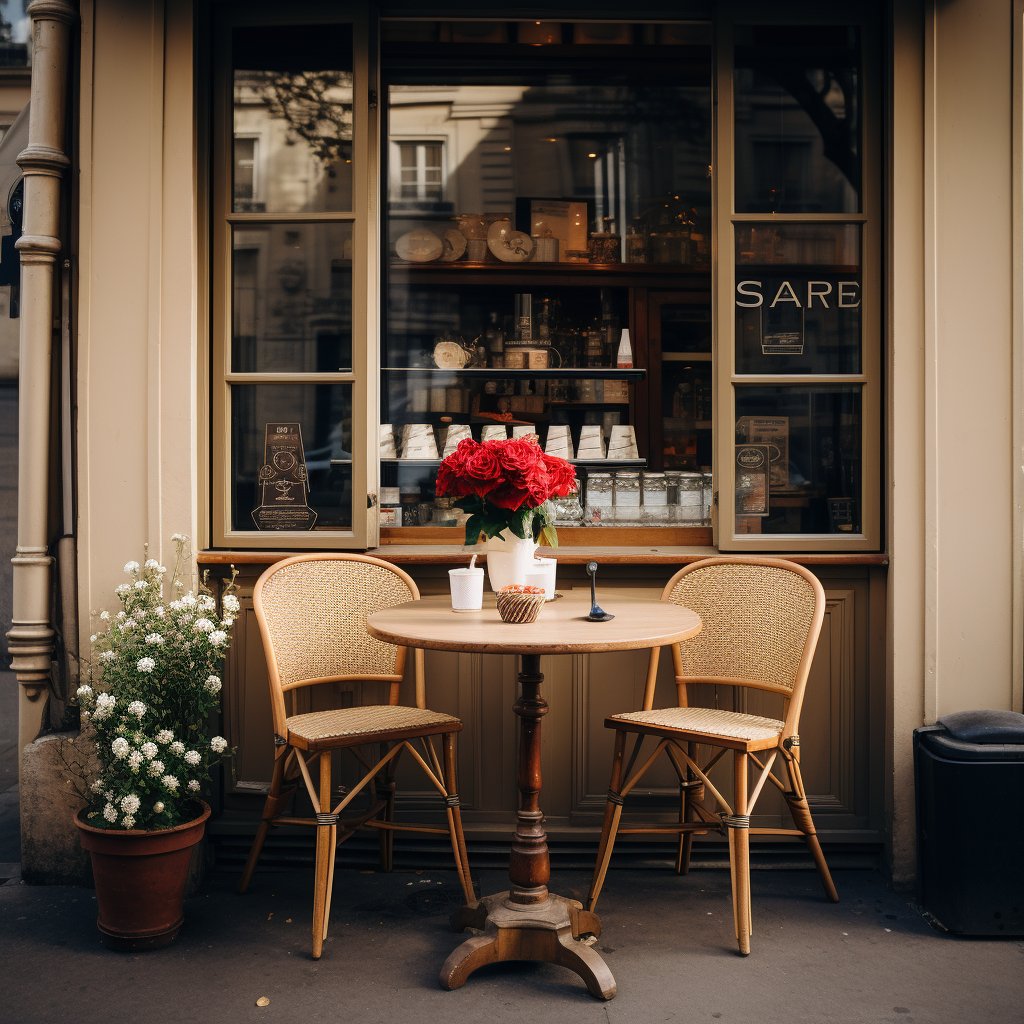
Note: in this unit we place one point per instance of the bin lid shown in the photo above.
(984, 735)
(985, 726)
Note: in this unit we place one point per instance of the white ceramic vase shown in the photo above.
(509, 559)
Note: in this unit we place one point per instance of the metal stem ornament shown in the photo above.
(597, 613)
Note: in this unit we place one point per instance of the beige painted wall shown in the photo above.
(955, 617)
(968, 357)
(950, 520)
(138, 309)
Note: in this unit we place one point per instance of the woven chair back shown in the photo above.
(761, 619)
(312, 612)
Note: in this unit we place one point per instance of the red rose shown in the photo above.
(508, 496)
(482, 470)
(519, 456)
(451, 478)
(562, 475)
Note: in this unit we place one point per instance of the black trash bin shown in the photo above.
(969, 769)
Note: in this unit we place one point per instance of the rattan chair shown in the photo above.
(312, 613)
(761, 620)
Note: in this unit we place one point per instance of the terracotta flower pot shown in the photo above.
(140, 879)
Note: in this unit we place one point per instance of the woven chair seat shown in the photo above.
(709, 721)
(372, 720)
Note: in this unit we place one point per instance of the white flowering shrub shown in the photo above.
(154, 693)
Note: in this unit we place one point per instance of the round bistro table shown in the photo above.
(527, 922)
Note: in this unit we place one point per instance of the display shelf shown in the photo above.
(487, 373)
(581, 463)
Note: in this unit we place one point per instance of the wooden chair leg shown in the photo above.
(692, 793)
(796, 798)
(332, 852)
(612, 815)
(458, 838)
(386, 836)
(738, 825)
(271, 809)
(324, 831)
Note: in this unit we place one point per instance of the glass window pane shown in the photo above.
(565, 155)
(798, 119)
(799, 302)
(293, 94)
(292, 298)
(798, 460)
(291, 456)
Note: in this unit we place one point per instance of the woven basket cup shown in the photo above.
(519, 605)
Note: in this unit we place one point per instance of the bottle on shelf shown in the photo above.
(624, 356)
(494, 341)
(609, 328)
(594, 352)
(524, 316)
(544, 319)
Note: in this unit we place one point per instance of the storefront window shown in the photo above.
(289, 396)
(576, 197)
(801, 432)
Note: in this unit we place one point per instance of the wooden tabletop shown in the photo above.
(562, 628)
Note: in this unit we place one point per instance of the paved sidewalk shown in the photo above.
(870, 959)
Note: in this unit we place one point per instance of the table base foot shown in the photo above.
(546, 932)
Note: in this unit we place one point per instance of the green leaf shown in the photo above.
(550, 536)
(474, 526)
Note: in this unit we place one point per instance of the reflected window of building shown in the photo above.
(246, 184)
(292, 110)
(420, 172)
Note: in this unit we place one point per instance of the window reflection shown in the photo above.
(633, 153)
(292, 119)
(798, 119)
(798, 460)
(292, 298)
(799, 300)
(322, 414)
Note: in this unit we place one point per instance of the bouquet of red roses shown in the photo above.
(506, 485)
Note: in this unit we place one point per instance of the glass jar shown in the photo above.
(599, 489)
(709, 497)
(672, 485)
(627, 490)
(690, 499)
(655, 489)
(568, 510)
(604, 247)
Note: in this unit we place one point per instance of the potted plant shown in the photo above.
(507, 487)
(154, 688)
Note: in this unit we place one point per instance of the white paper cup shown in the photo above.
(542, 574)
(386, 441)
(559, 441)
(623, 443)
(494, 432)
(467, 587)
(524, 430)
(591, 443)
(456, 432)
(418, 441)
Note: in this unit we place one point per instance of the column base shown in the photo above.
(548, 932)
